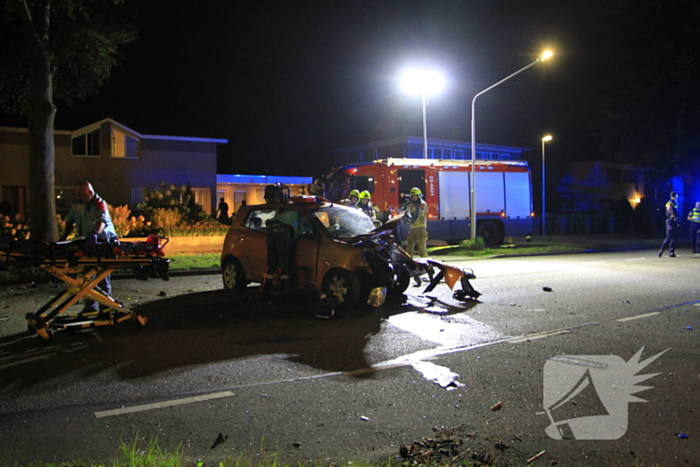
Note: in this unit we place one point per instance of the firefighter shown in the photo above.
(418, 235)
(352, 198)
(694, 218)
(365, 205)
(281, 232)
(671, 209)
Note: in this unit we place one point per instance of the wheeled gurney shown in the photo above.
(83, 268)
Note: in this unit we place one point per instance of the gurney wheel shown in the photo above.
(44, 335)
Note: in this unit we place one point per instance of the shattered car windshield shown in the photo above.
(344, 222)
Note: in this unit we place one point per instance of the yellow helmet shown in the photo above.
(355, 193)
(365, 195)
(416, 191)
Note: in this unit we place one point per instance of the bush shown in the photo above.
(120, 219)
(164, 219)
(180, 200)
(14, 227)
(477, 244)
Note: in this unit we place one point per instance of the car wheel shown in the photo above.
(233, 275)
(403, 278)
(344, 286)
(490, 232)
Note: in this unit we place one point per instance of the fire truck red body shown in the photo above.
(503, 194)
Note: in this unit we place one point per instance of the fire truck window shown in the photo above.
(409, 179)
(362, 183)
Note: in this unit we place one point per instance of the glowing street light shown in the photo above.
(544, 140)
(472, 209)
(425, 83)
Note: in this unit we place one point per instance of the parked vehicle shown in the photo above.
(337, 252)
(504, 194)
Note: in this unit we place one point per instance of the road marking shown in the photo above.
(636, 259)
(533, 337)
(163, 404)
(631, 318)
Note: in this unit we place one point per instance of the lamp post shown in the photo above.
(425, 83)
(544, 140)
(472, 207)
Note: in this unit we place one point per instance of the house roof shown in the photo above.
(96, 125)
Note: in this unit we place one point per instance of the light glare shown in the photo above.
(547, 138)
(415, 81)
(547, 54)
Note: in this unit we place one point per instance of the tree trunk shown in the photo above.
(41, 112)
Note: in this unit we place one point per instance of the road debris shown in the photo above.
(446, 446)
(547, 289)
(219, 440)
(536, 456)
(681, 435)
(497, 406)
(364, 419)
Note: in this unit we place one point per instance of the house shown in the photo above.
(413, 147)
(595, 186)
(120, 163)
(235, 189)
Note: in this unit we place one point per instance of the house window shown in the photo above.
(459, 154)
(486, 156)
(375, 154)
(447, 153)
(124, 146)
(87, 144)
(505, 157)
(360, 156)
(137, 195)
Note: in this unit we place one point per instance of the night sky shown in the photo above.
(285, 81)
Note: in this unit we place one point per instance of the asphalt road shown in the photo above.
(552, 338)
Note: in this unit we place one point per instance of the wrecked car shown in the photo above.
(337, 252)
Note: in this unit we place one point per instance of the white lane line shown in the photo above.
(632, 318)
(163, 404)
(533, 337)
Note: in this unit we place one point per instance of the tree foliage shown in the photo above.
(54, 49)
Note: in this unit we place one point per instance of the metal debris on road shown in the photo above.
(536, 456)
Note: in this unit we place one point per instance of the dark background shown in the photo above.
(285, 82)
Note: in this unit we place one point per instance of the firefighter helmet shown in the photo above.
(355, 193)
(365, 195)
(416, 191)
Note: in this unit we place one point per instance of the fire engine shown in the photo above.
(503, 194)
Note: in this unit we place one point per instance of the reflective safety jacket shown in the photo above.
(694, 215)
(418, 210)
(671, 208)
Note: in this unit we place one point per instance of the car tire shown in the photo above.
(232, 274)
(344, 286)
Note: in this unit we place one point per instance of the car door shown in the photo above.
(251, 243)
(306, 248)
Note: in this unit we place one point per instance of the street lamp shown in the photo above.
(472, 207)
(425, 83)
(544, 140)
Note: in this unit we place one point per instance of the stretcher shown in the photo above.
(82, 268)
